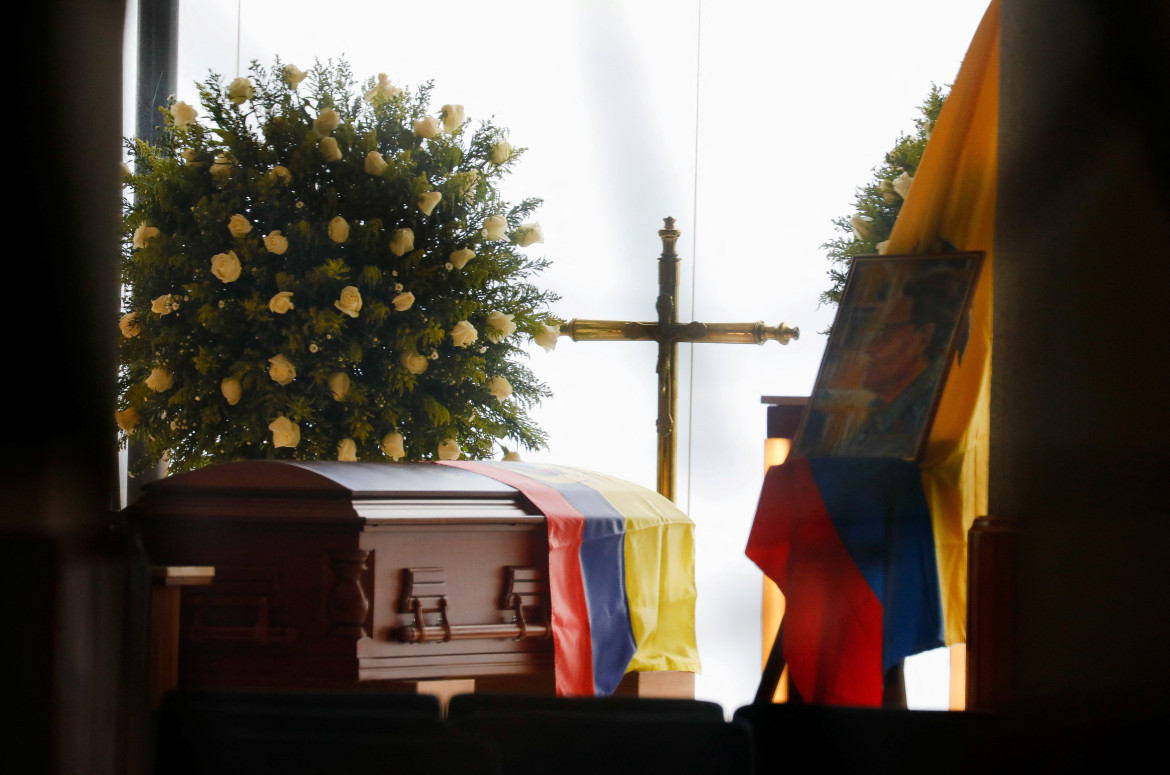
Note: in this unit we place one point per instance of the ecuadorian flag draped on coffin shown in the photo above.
(871, 554)
(621, 574)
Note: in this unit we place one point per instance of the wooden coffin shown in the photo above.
(334, 575)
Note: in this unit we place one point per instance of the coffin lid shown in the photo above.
(328, 489)
(355, 480)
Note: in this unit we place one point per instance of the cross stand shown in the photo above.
(668, 332)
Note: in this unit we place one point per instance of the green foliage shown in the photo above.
(877, 204)
(206, 333)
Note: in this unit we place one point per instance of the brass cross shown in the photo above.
(668, 332)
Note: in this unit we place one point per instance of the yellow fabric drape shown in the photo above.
(660, 575)
(953, 199)
(659, 551)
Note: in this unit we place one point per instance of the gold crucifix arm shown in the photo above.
(668, 332)
(724, 333)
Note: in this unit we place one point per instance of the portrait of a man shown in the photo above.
(902, 321)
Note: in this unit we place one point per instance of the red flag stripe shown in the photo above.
(833, 620)
(572, 641)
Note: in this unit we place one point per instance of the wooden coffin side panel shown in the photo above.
(309, 561)
(310, 607)
(314, 604)
(472, 562)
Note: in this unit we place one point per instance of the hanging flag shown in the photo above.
(848, 615)
(848, 541)
(621, 574)
(952, 202)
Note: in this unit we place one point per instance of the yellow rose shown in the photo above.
(459, 258)
(449, 450)
(499, 387)
(240, 91)
(126, 419)
(402, 242)
(393, 447)
(282, 174)
(326, 121)
(285, 433)
(282, 371)
(182, 114)
(350, 302)
(329, 149)
(463, 334)
(548, 337)
(160, 379)
(512, 457)
(144, 234)
(292, 75)
(403, 301)
(501, 326)
(238, 225)
(428, 201)
(338, 229)
(347, 451)
(529, 234)
(452, 116)
(413, 362)
(375, 164)
(902, 184)
(226, 266)
(231, 390)
(427, 127)
(276, 243)
(163, 305)
(495, 227)
(339, 385)
(501, 152)
(383, 91)
(128, 324)
(281, 302)
(862, 226)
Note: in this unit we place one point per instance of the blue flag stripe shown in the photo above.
(880, 513)
(603, 568)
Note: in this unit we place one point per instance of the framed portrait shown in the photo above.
(902, 322)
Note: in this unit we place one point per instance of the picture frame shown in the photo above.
(903, 320)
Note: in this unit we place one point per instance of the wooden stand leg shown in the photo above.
(671, 684)
(994, 546)
(164, 642)
(894, 687)
(164, 624)
(443, 688)
(774, 673)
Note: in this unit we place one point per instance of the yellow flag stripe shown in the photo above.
(660, 568)
(660, 574)
(953, 199)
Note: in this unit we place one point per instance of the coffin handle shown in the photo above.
(424, 591)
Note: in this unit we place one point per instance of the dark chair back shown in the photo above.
(576, 742)
(464, 705)
(871, 740)
(295, 733)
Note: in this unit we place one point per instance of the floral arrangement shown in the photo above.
(322, 271)
(877, 204)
